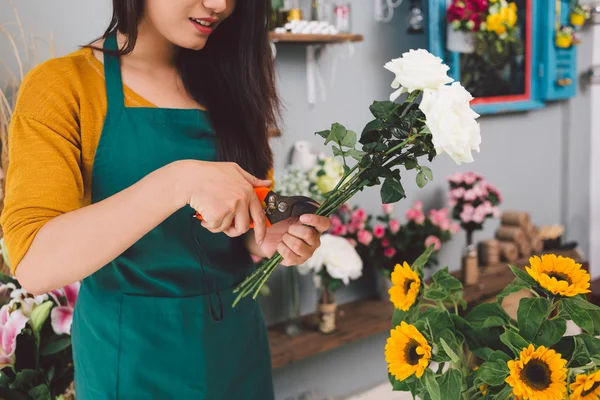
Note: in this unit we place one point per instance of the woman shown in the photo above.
(111, 156)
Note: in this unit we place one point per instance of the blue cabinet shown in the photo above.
(537, 71)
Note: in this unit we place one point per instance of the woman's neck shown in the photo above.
(151, 48)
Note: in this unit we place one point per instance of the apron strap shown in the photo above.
(112, 75)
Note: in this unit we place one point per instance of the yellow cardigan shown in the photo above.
(52, 141)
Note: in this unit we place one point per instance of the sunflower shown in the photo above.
(586, 387)
(406, 287)
(559, 275)
(407, 352)
(538, 374)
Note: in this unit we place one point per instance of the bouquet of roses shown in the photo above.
(435, 352)
(398, 136)
(473, 200)
(467, 15)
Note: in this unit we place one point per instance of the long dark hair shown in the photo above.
(233, 77)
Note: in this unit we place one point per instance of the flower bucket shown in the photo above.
(459, 41)
(564, 42)
(577, 19)
(384, 284)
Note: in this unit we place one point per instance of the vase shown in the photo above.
(564, 42)
(327, 312)
(577, 20)
(459, 41)
(291, 290)
(384, 284)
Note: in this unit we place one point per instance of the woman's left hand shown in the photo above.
(295, 239)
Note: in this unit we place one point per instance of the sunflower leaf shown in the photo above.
(439, 320)
(431, 384)
(434, 292)
(550, 332)
(523, 275)
(503, 394)
(451, 384)
(447, 281)
(583, 314)
(516, 285)
(398, 317)
(514, 341)
(448, 350)
(532, 312)
(580, 356)
(398, 386)
(499, 355)
(591, 343)
(493, 373)
(488, 315)
(420, 262)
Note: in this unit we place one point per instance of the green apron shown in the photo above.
(157, 322)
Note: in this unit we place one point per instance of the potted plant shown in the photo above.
(564, 37)
(333, 265)
(579, 14)
(464, 18)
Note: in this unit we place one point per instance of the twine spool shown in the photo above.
(524, 248)
(510, 234)
(327, 317)
(515, 218)
(537, 245)
(470, 268)
(531, 231)
(490, 252)
(508, 251)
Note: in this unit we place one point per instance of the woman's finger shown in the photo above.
(306, 233)
(298, 246)
(240, 224)
(289, 257)
(259, 219)
(319, 222)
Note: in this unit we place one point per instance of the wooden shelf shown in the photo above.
(314, 39)
(366, 317)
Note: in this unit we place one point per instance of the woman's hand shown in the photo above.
(223, 193)
(293, 239)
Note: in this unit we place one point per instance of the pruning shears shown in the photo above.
(278, 208)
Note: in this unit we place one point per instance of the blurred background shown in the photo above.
(532, 75)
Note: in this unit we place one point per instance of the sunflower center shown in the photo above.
(560, 277)
(410, 352)
(536, 374)
(590, 390)
(407, 284)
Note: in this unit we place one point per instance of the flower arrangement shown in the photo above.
(579, 14)
(565, 37)
(36, 361)
(466, 15)
(473, 200)
(399, 135)
(527, 358)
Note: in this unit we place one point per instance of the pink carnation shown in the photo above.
(416, 214)
(335, 221)
(394, 225)
(470, 178)
(466, 215)
(359, 214)
(351, 228)
(456, 178)
(385, 243)
(479, 214)
(364, 237)
(457, 194)
(480, 191)
(379, 231)
(387, 208)
(435, 241)
(439, 217)
(389, 252)
(470, 195)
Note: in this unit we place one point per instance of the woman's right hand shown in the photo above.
(223, 193)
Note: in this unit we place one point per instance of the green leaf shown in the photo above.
(337, 152)
(398, 317)
(365, 162)
(451, 384)
(581, 356)
(39, 315)
(453, 356)
(337, 134)
(9, 394)
(356, 154)
(514, 341)
(398, 386)
(420, 262)
(40, 392)
(435, 293)
(515, 286)
(447, 281)
(24, 380)
(56, 346)
(488, 315)
(439, 320)
(532, 312)
(421, 180)
(411, 163)
(323, 134)
(392, 191)
(472, 336)
(591, 343)
(493, 373)
(375, 147)
(499, 355)
(382, 109)
(584, 316)
(484, 353)
(550, 332)
(428, 173)
(349, 139)
(523, 275)
(372, 126)
(431, 384)
(504, 394)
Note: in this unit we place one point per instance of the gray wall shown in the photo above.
(539, 160)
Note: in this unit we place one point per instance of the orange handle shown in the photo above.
(261, 193)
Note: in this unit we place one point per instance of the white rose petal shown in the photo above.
(451, 121)
(417, 70)
(339, 258)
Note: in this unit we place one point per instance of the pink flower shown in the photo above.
(385, 243)
(457, 178)
(455, 13)
(352, 242)
(479, 214)
(351, 228)
(364, 237)
(357, 224)
(439, 217)
(457, 194)
(487, 207)
(470, 178)
(13, 324)
(394, 225)
(344, 208)
(359, 214)
(466, 215)
(433, 240)
(480, 191)
(343, 230)
(470, 195)
(416, 214)
(387, 208)
(379, 231)
(335, 221)
(336, 230)
(452, 203)
(389, 252)
(454, 227)
(62, 316)
(496, 212)
(418, 206)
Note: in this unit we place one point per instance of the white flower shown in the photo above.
(26, 300)
(451, 121)
(417, 70)
(339, 258)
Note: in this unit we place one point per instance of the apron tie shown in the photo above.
(197, 249)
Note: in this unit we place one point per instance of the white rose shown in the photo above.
(417, 70)
(339, 258)
(451, 121)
